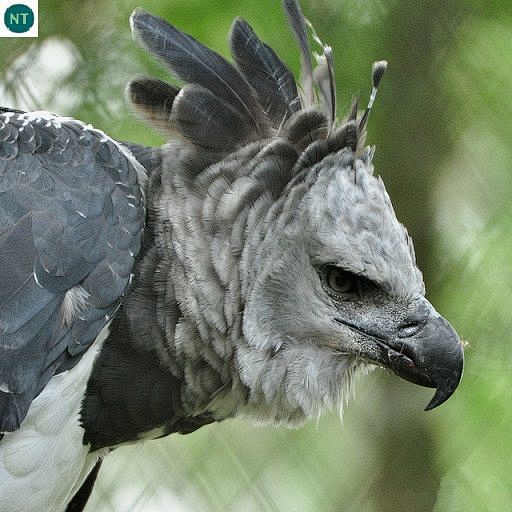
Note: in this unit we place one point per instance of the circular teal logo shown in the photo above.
(19, 18)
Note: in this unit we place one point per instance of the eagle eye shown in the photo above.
(338, 281)
(341, 281)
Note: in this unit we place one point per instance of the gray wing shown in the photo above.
(71, 222)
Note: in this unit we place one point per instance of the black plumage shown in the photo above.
(192, 62)
(272, 81)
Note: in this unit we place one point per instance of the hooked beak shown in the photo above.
(424, 350)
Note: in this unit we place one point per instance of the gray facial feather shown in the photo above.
(242, 257)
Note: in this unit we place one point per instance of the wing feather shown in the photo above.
(264, 70)
(193, 62)
(71, 221)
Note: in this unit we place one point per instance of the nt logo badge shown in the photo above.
(18, 18)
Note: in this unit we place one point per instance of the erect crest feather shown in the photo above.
(223, 107)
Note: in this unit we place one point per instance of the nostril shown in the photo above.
(409, 328)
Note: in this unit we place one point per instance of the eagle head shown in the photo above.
(287, 261)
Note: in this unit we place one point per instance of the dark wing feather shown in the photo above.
(193, 62)
(153, 99)
(147, 156)
(324, 78)
(71, 220)
(297, 23)
(263, 69)
(207, 120)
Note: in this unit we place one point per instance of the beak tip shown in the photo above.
(433, 403)
(447, 384)
(437, 401)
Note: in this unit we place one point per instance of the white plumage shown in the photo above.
(45, 459)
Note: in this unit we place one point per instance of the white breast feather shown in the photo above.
(44, 463)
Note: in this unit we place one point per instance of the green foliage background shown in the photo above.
(443, 130)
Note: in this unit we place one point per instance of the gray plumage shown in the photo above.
(259, 199)
(70, 228)
(273, 267)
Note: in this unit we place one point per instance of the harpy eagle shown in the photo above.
(249, 267)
